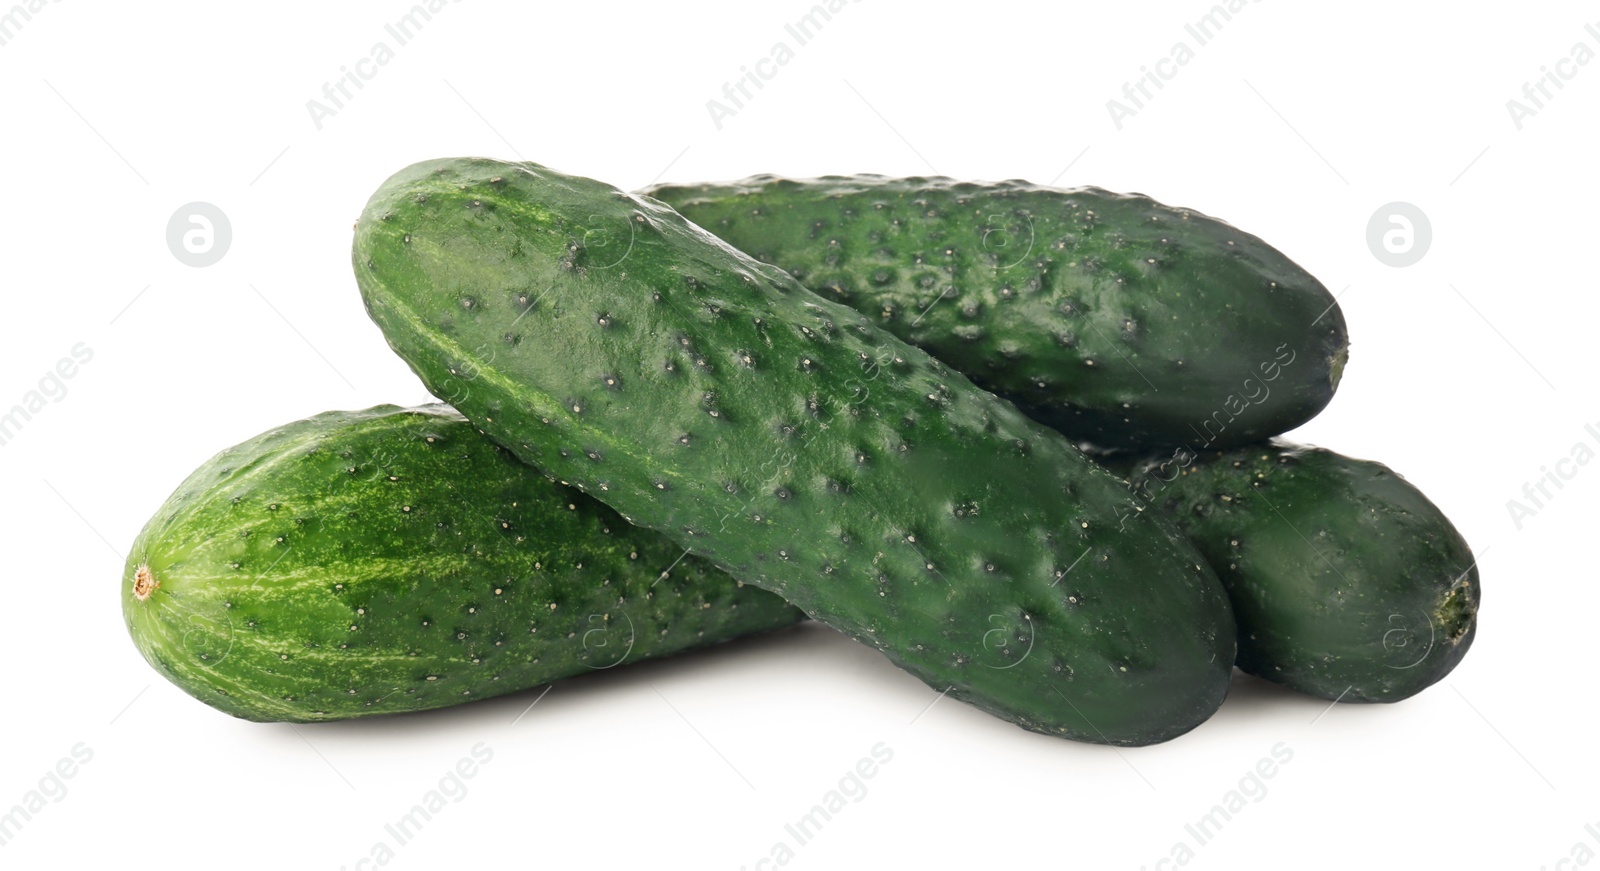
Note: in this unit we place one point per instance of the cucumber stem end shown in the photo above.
(144, 583)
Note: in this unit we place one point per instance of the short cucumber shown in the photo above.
(604, 338)
(1347, 582)
(1121, 322)
(391, 560)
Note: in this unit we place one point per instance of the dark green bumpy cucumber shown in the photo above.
(1121, 322)
(604, 338)
(1346, 581)
(391, 560)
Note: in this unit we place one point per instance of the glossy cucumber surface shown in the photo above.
(1346, 581)
(1120, 321)
(391, 560)
(604, 338)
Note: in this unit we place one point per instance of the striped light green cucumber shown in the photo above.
(1347, 582)
(390, 560)
(604, 338)
(1121, 322)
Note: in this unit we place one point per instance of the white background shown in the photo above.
(1470, 372)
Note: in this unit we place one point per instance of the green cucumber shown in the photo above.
(1121, 322)
(604, 338)
(390, 560)
(1346, 581)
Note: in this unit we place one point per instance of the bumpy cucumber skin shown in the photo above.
(1347, 583)
(604, 338)
(1121, 322)
(393, 560)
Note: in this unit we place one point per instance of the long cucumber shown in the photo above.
(1118, 320)
(604, 338)
(1347, 582)
(390, 560)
